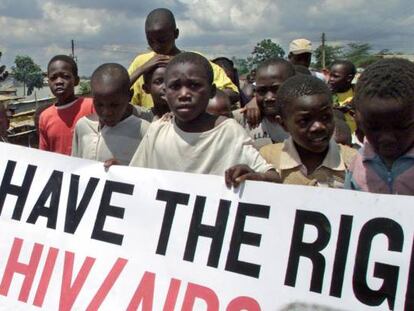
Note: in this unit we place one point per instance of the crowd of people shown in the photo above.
(176, 110)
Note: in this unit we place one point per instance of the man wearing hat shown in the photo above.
(300, 53)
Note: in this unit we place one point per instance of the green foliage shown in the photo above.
(360, 54)
(331, 53)
(263, 50)
(28, 72)
(84, 87)
(241, 65)
(3, 72)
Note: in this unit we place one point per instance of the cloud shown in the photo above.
(107, 30)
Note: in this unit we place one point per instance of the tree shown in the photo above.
(84, 87)
(360, 54)
(241, 65)
(263, 50)
(331, 53)
(28, 72)
(3, 72)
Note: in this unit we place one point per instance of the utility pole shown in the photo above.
(73, 51)
(323, 51)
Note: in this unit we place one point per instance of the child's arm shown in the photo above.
(252, 113)
(237, 174)
(43, 143)
(154, 61)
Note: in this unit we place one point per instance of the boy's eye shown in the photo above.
(158, 81)
(194, 85)
(326, 117)
(302, 122)
(174, 86)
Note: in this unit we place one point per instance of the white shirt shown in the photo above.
(90, 141)
(167, 147)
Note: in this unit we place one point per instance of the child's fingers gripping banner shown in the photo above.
(75, 237)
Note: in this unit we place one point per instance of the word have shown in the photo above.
(74, 212)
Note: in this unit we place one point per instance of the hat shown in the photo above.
(300, 46)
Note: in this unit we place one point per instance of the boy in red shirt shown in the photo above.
(57, 122)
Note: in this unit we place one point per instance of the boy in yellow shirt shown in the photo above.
(161, 33)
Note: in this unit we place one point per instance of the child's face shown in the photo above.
(388, 126)
(157, 87)
(110, 103)
(339, 79)
(268, 81)
(188, 91)
(310, 122)
(61, 80)
(161, 37)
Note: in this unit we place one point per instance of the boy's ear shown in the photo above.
(77, 80)
(213, 90)
(146, 88)
(176, 33)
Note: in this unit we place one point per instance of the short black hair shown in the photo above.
(224, 62)
(113, 71)
(195, 59)
(147, 76)
(277, 61)
(350, 67)
(387, 78)
(67, 59)
(160, 15)
(298, 86)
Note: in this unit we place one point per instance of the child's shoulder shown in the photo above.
(272, 152)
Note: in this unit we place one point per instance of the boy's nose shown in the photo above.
(318, 126)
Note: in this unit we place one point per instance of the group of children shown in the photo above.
(190, 127)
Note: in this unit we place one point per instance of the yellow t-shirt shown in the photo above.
(342, 99)
(143, 99)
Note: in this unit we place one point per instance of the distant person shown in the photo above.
(57, 122)
(154, 84)
(300, 53)
(228, 66)
(161, 32)
(341, 74)
(220, 105)
(310, 156)
(4, 123)
(113, 133)
(385, 111)
(193, 140)
(270, 75)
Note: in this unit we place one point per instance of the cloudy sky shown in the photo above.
(113, 30)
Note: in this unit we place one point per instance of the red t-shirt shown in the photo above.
(57, 124)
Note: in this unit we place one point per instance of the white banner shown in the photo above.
(75, 237)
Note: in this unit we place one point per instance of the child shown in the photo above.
(154, 85)
(341, 74)
(195, 141)
(310, 156)
(269, 76)
(57, 122)
(220, 105)
(113, 133)
(161, 32)
(385, 112)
